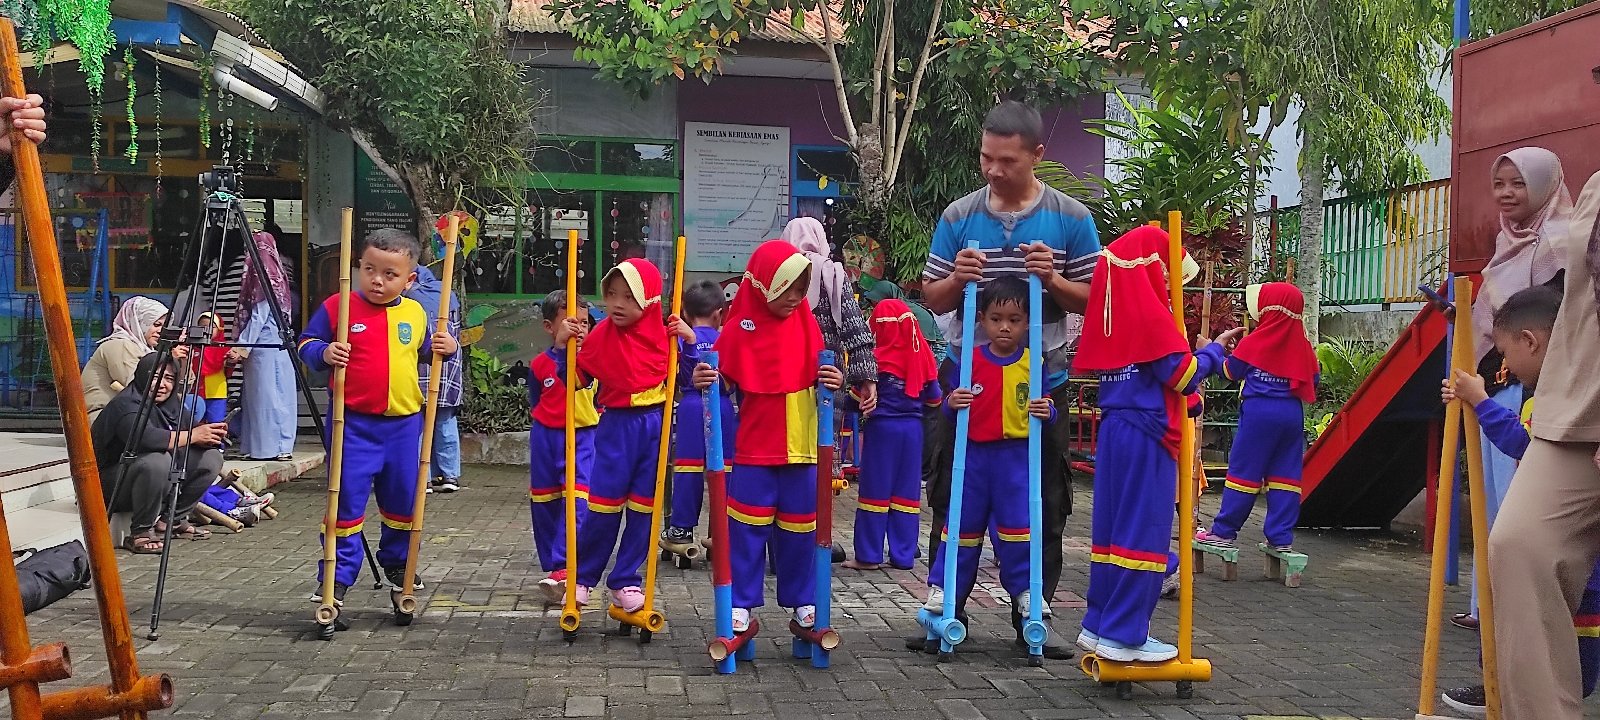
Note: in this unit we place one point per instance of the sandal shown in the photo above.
(1465, 621)
(142, 544)
(185, 530)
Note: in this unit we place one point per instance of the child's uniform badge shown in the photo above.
(549, 382)
(977, 389)
(748, 324)
(358, 327)
(404, 330)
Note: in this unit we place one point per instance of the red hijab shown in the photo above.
(1129, 296)
(761, 352)
(630, 359)
(902, 351)
(1279, 345)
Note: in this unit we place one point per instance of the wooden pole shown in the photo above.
(430, 415)
(328, 612)
(40, 229)
(1480, 514)
(652, 558)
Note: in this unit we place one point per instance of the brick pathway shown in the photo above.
(238, 637)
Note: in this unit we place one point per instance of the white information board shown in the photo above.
(736, 192)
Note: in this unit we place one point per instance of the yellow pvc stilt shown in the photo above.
(1186, 668)
(570, 617)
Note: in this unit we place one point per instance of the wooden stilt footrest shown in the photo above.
(1230, 559)
(1285, 566)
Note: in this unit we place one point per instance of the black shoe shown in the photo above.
(1469, 701)
(397, 577)
(921, 643)
(678, 536)
(446, 485)
(838, 554)
(1054, 649)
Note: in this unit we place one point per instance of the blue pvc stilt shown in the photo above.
(1033, 629)
(824, 551)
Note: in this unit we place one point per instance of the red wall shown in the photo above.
(1538, 85)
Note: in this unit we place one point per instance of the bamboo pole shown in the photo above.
(15, 647)
(114, 626)
(1460, 360)
(430, 414)
(328, 612)
(569, 607)
(665, 447)
(1480, 517)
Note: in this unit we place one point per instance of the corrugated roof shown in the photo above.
(531, 16)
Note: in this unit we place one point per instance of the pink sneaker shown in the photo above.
(583, 595)
(554, 587)
(1206, 537)
(630, 599)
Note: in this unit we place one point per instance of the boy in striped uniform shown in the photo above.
(994, 495)
(389, 338)
(1147, 379)
(769, 355)
(1521, 333)
(547, 443)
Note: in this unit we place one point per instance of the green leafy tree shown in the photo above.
(1362, 72)
(424, 86)
(1493, 18)
(884, 57)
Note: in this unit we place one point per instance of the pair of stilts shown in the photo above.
(403, 598)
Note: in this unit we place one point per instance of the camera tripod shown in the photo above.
(222, 221)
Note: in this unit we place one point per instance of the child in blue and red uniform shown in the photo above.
(1521, 333)
(1279, 372)
(213, 368)
(547, 443)
(995, 489)
(703, 306)
(627, 354)
(889, 495)
(389, 338)
(769, 355)
(1146, 377)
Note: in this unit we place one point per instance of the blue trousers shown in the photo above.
(447, 443)
(379, 459)
(1135, 486)
(1587, 623)
(689, 457)
(547, 484)
(889, 490)
(216, 410)
(759, 497)
(627, 449)
(1268, 454)
(994, 498)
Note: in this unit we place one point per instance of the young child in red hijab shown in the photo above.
(890, 489)
(1147, 376)
(627, 354)
(769, 351)
(213, 368)
(1279, 372)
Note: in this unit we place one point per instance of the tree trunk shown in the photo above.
(1313, 177)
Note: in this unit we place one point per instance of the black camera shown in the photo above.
(222, 178)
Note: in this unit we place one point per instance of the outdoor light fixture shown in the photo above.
(228, 82)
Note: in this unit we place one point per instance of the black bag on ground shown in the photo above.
(48, 575)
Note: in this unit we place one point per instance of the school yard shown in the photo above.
(237, 636)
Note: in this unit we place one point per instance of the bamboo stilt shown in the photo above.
(408, 599)
(328, 612)
(570, 617)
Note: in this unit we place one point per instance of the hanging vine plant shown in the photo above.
(86, 25)
(133, 94)
(206, 63)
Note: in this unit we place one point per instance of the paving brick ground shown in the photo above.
(237, 636)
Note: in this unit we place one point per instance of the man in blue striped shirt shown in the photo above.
(1022, 227)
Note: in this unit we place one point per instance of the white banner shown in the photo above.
(736, 192)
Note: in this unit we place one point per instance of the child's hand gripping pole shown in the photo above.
(1033, 629)
(328, 612)
(817, 640)
(945, 627)
(726, 645)
(1186, 450)
(406, 608)
(569, 490)
(648, 619)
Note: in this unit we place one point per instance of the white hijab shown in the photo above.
(807, 235)
(1529, 254)
(134, 319)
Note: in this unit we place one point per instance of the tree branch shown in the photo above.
(839, 88)
(892, 160)
(365, 143)
(879, 57)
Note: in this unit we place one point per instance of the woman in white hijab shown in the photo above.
(1535, 212)
(134, 334)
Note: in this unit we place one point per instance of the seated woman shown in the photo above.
(134, 333)
(144, 488)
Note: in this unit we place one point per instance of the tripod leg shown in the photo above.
(171, 507)
(379, 580)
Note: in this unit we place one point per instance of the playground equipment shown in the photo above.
(818, 640)
(327, 612)
(1033, 629)
(727, 648)
(1186, 669)
(570, 617)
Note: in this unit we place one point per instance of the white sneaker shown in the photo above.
(1087, 641)
(741, 620)
(935, 602)
(1021, 602)
(806, 615)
